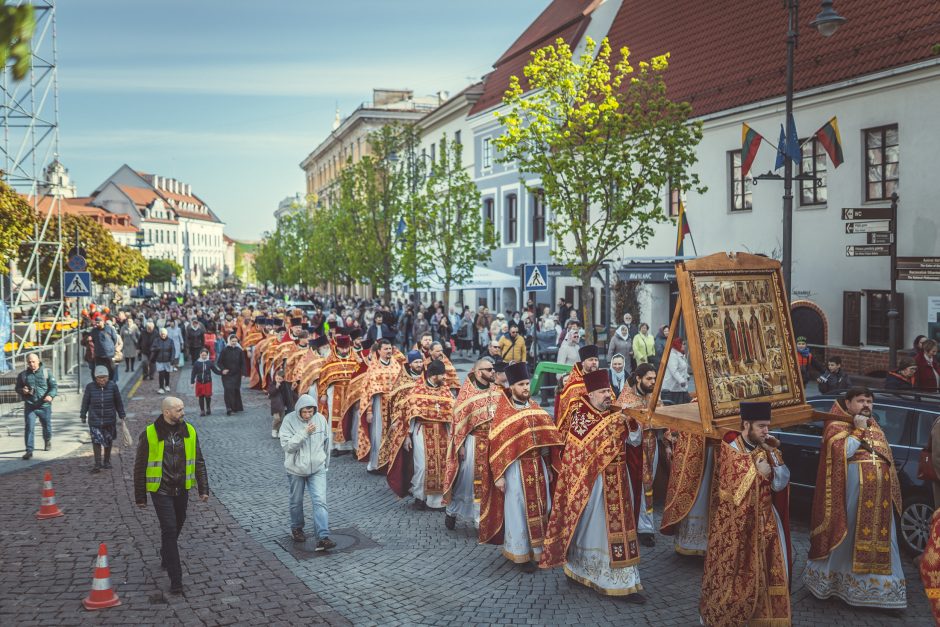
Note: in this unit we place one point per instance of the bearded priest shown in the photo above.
(592, 530)
(514, 513)
(747, 565)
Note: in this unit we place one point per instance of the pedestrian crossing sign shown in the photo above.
(536, 277)
(77, 284)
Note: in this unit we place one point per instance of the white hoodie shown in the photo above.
(305, 453)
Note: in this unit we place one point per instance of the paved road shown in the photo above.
(403, 566)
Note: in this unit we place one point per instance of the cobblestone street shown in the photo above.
(240, 567)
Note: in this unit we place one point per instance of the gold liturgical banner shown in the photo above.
(740, 345)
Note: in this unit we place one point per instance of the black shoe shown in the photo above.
(419, 505)
(298, 535)
(450, 521)
(636, 598)
(96, 469)
(29, 455)
(176, 589)
(528, 567)
(228, 412)
(208, 412)
(325, 545)
(375, 472)
(647, 539)
(202, 413)
(106, 465)
(340, 453)
(48, 446)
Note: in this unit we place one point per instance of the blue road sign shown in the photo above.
(77, 263)
(536, 277)
(77, 284)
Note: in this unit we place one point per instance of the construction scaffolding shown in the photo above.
(32, 294)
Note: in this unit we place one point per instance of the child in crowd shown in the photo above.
(201, 378)
(283, 398)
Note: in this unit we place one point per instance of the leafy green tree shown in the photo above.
(606, 142)
(17, 221)
(454, 237)
(163, 270)
(110, 263)
(17, 24)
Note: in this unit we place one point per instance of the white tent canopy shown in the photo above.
(482, 279)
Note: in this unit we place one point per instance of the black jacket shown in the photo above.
(282, 398)
(232, 358)
(174, 462)
(387, 333)
(163, 350)
(834, 381)
(145, 341)
(195, 338)
(895, 381)
(202, 371)
(102, 405)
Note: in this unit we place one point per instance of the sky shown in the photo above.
(230, 96)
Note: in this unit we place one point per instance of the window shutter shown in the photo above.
(851, 318)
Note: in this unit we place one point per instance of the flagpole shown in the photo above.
(788, 164)
(694, 250)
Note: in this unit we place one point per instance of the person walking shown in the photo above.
(101, 406)
(175, 333)
(169, 462)
(107, 343)
(36, 387)
(195, 338)
(305, 438)
(144, 344)
(283, 399)
(512, 346)
(231, 362)
(129, 336)
(644, 347)
(928, 367)
(201, 380)
(676, 378)
(619, 343)
(162, 354)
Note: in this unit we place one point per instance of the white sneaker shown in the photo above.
(273, 433)
(160, 391)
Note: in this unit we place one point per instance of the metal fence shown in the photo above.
(62, 358)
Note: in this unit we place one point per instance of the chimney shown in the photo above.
(189, 189)
(156, 181)
(442, 97)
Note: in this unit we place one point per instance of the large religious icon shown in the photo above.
(736, 319)
(741, 353)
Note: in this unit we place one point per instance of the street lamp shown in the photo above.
(826, 23)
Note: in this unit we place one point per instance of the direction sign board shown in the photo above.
(867, 213)
(876, 226)
(77, 263)
(910, 274)
(77, 284)
(920, 263)
(879, 238)
(536, 277)
(867, 251)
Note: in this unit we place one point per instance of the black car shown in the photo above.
(906, 419)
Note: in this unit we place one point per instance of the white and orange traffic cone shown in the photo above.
(101, 595)
(48, 508)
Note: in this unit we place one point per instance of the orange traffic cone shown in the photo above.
(48, 509)
(101, 595)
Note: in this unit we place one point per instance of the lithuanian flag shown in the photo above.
(750, 142)
(683, 230)
(828, 136)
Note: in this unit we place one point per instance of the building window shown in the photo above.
(674, 199)
(813, 163)
(488, 211)
(877, 324)
(512, 219)
(487, 153)
(433, 152)
(457, 137)
(741, 192)
(538, 215)
(881, 162)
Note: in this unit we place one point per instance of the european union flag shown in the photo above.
(793, 142)
(781, 149)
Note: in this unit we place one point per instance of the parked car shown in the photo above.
(906, 419)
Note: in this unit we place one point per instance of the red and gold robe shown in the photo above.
(273, 359)
(518, 434)
(574, 388)
(878, 491)
(595, 446)
(641, 458)
(930, 567)
(473, 412)
(309, 372)
(337, 372)
(396, 427)
(379, 379)
(745, 581)
(685, 479)
(354, 390)
(254, 382)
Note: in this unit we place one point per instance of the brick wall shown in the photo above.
(860, 361)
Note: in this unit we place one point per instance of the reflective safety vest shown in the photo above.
(154, 472)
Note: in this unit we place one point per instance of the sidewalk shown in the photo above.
(68, 432)
(48, 565)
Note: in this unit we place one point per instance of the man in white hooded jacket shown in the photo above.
(305, 438)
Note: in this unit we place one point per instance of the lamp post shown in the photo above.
(826, 23)
(140, 245)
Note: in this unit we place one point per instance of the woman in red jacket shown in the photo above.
(928, 369)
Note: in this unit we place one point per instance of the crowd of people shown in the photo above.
(569, 488)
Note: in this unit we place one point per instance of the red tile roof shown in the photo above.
(562, 18)
(82, 207)
(724, 58)
(142, 196)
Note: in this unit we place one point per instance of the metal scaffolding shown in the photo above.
(29, 114)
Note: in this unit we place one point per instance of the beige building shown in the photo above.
(349, 138)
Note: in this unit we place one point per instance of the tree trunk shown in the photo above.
(587, 307)
(387, 296)
(446, 297)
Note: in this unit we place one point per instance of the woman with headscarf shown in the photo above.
(618, 373)
(619, 343)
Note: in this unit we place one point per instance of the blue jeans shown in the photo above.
(45, 419)
(315, 484)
